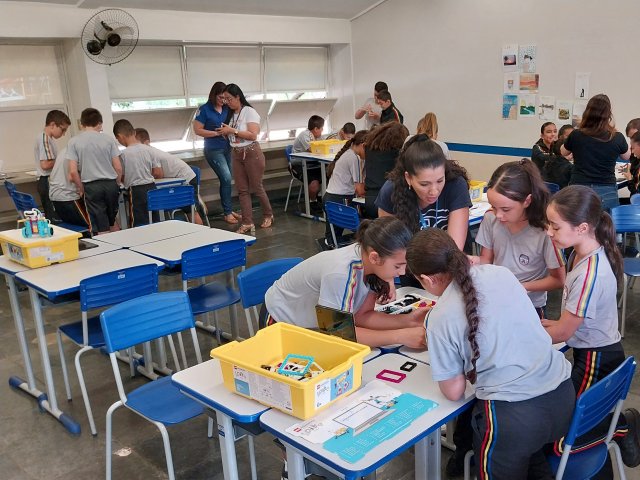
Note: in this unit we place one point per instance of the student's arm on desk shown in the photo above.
(413, 337)
(453, 388)
(74, 176)
(563, 329)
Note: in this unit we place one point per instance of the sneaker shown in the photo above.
(455, 464)
(630, 443)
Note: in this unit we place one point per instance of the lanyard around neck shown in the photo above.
(423, 221)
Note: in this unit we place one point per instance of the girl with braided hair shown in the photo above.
(484, 329)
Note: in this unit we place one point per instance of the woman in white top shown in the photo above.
(242, 129)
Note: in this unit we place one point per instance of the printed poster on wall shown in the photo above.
(527, 58)
(582, 85)
(527, 105)
(511, 82)
(529, 82)
(547, 108)
(509, 107)
(579, 107)
(510, 58)
(564, 109)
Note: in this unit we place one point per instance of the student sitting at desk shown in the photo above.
(140, 169)
(347, 132)
(351, 279)
(66, 200)
(557, 169)
(429, 126)
(302, 143)
(541, 150)
(174, 167)
(484, 329)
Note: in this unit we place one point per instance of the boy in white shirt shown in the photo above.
(303, 144)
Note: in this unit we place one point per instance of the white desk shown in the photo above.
(204, 384)
(154, 232)
(61, 279)
(424, 432)
(323, 160)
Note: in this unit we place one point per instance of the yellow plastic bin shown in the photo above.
(476, 189)
(327, 147)
(242, 373)
(37, 251)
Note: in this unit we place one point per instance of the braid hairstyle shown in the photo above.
(578, 204)
(357, 139)
(432, 251)
(517, 180)
(417, 154)
(386, 236)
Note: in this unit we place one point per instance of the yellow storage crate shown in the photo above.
(476, 189)
(340, 359)
(327, 147)
(36, 251)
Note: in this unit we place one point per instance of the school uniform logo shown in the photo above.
(523, 259)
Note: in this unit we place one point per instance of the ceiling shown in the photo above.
(344, 9)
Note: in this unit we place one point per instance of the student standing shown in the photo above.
(68, 203)
(351, 279)
(302, 143)
(541, 150)
(632, 173)
(370, 109)
(248, 159)
(389, 111)
(484, 329)
(596, 146)
(55, 126)
(141, 168)
(513, 233)
(589, 319)
(95, 169)
(217, 152)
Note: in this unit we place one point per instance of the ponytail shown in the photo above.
(433, 251)
(357, 139)
(605, 233)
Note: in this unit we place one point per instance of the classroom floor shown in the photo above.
(34, 445)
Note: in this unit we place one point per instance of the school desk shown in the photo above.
(61, 279)
(323, 160)
(154, 232)
(424, 432)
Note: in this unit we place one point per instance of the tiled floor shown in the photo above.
(35, 446)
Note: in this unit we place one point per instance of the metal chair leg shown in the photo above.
(288, 194)
(63, 363)
(625, 282)
(83, 389)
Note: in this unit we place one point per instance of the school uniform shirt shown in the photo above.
(528, 254)
(211, 119)
(347, 172)
(239, 121)
(594, 161)
(369, 122)
(302, 143)
(61, 189)
(454, 196)
(334, 279)
(540, 153)
(172, 166)
(93, 151)
(45, 149)
(137, 162)
(391, 114)
(590, 293)
(517, 361)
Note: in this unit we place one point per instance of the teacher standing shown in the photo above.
(596, 145)
(242, 130)
(217, 153)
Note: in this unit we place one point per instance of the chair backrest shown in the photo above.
(635, 199)
(255, 281)
(287, 151)
(214, 258)
(196, 170)
(342, 216)
(23, 201)
(9, 186)
(145, 318)
(170, 198)
(599, 400)
(552, 187)
(626, 218)
(118, 286)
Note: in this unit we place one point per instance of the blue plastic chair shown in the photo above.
(255, 281)
(626, 219)
(552, 187)
(635, 199)
(25, 201)
(138, 321)
(170, 198)
(592, 407)
(201, 206)
(97, 292)
(343, 216)
(207, 260)
(11, 187)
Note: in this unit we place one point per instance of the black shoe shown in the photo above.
(455, 465)
(630, 443)
(324, 244)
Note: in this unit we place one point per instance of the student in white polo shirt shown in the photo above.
(67, 202)
(589, 318)
(484, 329)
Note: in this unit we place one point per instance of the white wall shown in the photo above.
(341, 81)
(445, 56)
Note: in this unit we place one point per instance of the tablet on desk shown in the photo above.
(336, 322)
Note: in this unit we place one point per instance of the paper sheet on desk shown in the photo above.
(479, 209)
(374, 413)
